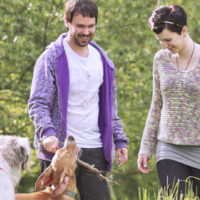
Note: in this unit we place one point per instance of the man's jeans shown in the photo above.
(90, 186)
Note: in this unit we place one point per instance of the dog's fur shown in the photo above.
(41, 195)
(62, 165)
(14, 158)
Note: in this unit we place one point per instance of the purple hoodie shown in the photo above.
(49, 96)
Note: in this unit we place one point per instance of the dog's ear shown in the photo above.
(24, 157)
(22, 148)
(44, 179)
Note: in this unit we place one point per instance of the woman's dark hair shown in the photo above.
(172, 17)
(87, 8)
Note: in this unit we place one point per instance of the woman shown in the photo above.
(173, 122)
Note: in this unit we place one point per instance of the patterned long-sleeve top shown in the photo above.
(174, 115)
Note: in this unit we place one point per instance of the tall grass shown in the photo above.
(170, 195)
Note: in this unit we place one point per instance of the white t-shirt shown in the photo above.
(85, 78)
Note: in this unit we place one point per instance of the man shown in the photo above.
(73, 93)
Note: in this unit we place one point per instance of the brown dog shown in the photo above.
(62, 165)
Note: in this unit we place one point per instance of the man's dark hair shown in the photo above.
(87, 8)
(172, 17)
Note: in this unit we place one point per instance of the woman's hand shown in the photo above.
(142, 163)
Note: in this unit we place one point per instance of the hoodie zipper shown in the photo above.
(62, 131)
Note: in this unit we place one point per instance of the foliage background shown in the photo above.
(27, 26)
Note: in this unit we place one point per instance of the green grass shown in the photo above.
(172, 195)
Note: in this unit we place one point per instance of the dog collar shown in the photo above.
(70, 194)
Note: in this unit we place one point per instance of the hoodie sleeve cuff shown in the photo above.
(49, 132)
(121, 144)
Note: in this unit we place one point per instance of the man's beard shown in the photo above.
(78, 42)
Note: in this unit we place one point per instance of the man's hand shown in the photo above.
(122, 156)
(50, 144)
(142, 163)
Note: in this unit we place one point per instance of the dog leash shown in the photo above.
(70, 194)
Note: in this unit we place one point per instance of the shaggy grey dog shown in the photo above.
(14, 158)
